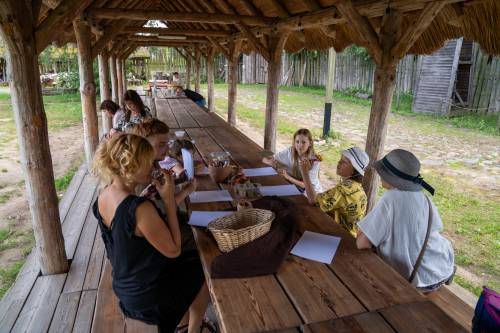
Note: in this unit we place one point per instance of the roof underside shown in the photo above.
(314, 24)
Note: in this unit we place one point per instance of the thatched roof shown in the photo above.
(314, 24)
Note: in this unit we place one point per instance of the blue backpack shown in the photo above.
(487, 313)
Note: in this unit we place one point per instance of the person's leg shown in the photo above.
(198, 308)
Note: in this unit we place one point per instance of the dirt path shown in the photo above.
(66, 146)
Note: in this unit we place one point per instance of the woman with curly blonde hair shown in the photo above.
(154, 282)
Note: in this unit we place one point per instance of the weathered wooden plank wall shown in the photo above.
(485, 88)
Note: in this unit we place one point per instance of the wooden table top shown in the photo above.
(357, 286)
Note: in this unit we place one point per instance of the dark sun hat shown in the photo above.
(401, 169)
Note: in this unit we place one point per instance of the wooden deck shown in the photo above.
(358, 291)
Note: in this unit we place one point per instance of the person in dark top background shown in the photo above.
(192, 95)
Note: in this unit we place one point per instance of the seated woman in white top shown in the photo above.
(397, 226)
(287, 160)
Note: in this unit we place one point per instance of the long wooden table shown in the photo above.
(356, 292)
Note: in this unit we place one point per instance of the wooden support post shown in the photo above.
(104, 89)
(32, 133)
(87, 88)
(329, 92)
(276, 44)
(124, 75)
(197, 55)
(232, 69)
(119, 77)
(114, 79)
(188, 68)
(210, 79)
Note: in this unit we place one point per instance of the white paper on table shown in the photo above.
(256, 172)
(210, 196)
(202, 218)
(187, 159)
(317, 247)
(280, 190)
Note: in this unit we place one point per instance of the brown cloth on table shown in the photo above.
(264, 255)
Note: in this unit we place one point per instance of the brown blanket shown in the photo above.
(264, 255)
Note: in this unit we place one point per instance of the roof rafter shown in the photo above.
(174, 32)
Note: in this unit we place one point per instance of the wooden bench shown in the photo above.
(108, 316)
(453, 306)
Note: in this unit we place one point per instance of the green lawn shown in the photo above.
(470, 219)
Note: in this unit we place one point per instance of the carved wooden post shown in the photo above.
(276, 44)
(114, 79)
(197, 55)
(87, 88)
(232, 68)
(104, 88)
(188, 68)
(17, 30)
(119, 77)
(210, 79)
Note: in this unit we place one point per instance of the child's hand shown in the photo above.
(283, 173)
(166, 190)
(304, 165)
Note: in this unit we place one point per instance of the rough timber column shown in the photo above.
(124, 76)
(210, 80)
(87, 88)
(197, 56)
(119, 77)
(234, 56)
(17, 30)
(104, 88)
(188, 68)
(114, 78)
(276, 44)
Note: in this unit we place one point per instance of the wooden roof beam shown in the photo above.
(161, 44)
(181, 53)
(417, 28)
(255, 41)
(219, 47)
(63, 15)
(177, 32)
(313, 5)
(137, 14)
(362, 28)
(156, 39)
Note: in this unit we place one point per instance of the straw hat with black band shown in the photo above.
(401, 169)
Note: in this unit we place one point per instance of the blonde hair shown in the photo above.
(123, 155)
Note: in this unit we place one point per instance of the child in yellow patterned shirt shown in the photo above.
(346, 202)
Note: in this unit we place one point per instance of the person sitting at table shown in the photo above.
(287, 161)
(154, 281)
(346, 202)
(112, 111)
(175, 77)
(405, 223)
(134, 111)
(192, 95)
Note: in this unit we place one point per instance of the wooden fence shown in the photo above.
(485, 89)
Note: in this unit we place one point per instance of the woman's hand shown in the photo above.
(304, 165)
(283, 173)
(167, 189)
(191, 186)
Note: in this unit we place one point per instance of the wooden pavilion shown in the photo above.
(112, 29)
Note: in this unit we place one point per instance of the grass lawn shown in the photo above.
(470, 220)
(62, 111)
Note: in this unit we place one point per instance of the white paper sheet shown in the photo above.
(317, 247)
(187, 159)
(202, 218)
(280, 190)
(256, 172)
(210, 196)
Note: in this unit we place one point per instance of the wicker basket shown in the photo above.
(240, 228)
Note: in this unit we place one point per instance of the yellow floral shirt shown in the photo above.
(345, 203)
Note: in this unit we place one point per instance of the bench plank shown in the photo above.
(420, 317)
(85, 312)
(453, 306)
(369, 322)
(40, 305)
(108, 316)
(65, 313)
(71, 191)
(94, 268)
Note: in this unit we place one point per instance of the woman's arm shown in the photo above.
(291, 179)
(362, 242)
(305, 166)
(269, 161)
(181, 196)
(152, 227)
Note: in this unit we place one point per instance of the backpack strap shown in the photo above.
(424, 246)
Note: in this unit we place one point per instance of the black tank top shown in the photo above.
(137, 266)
